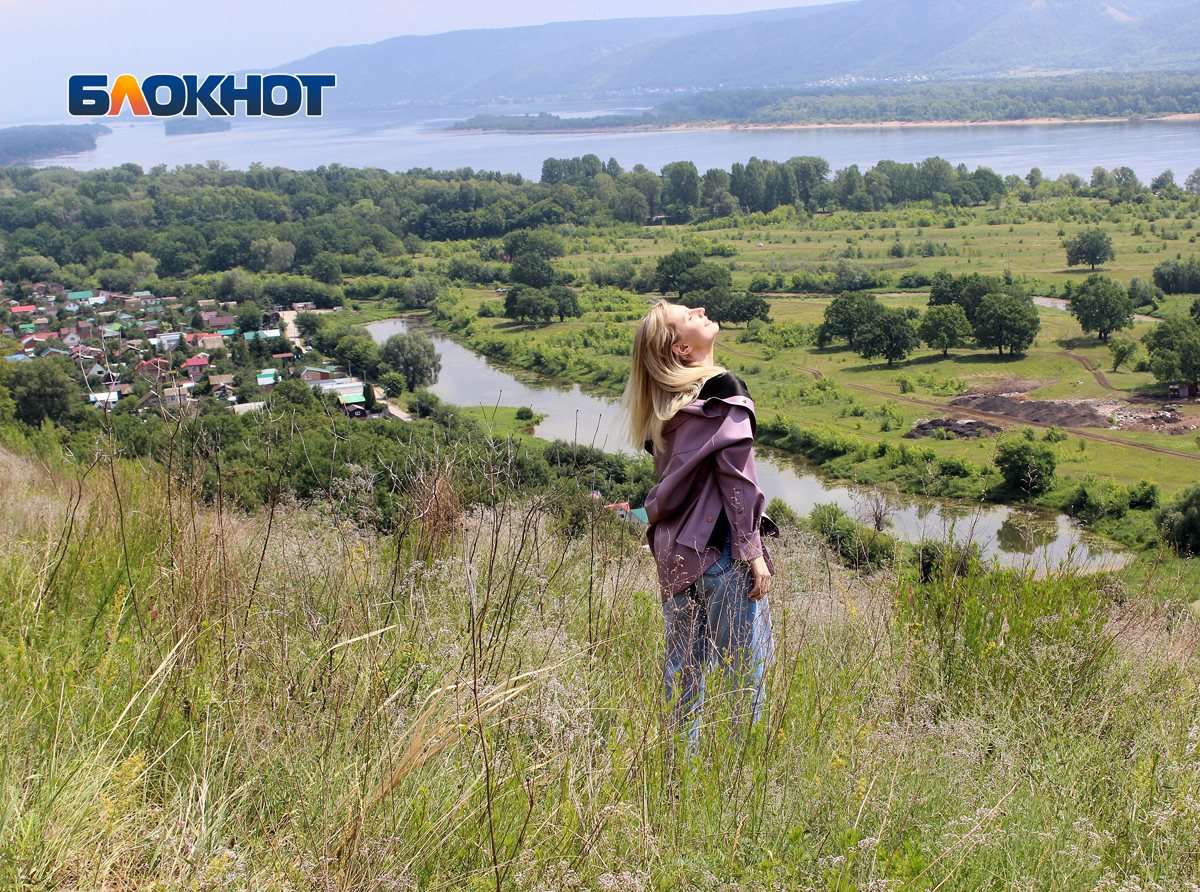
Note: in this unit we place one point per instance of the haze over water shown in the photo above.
(401, 141)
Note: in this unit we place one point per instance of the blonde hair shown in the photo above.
(660, 381)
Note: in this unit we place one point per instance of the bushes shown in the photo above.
(1025, 466)
(859, 546)
(1179, 522)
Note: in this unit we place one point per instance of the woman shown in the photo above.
(706, 512)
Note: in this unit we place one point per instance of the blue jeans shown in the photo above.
(716, 618)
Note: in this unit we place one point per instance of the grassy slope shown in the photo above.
(199, 699)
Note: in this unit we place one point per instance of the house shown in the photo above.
(194, 368)
(285, 358)
(8, 332)
(156, 369)
(168, 340)
(267, 379)
(23, 310)
(83, 297)
(70, 337)
(210, 342)
(41, 323)
(260, 335)
(84, 327)
(56, 351)
(312, 374)
(353, 404)
(215, 321)
(304, 306)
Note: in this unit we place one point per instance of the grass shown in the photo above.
(195, 698)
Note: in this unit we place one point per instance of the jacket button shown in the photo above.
(710, 520)
(739, 510)
(743, 538)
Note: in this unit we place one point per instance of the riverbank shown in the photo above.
(799, 125)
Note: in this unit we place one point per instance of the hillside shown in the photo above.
(843, 42)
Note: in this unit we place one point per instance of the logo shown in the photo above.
(170, 95)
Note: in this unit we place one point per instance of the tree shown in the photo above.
(1192, 184)
(566, 302)
(359, 354)
(945, 327)
(702, 277)
(532, 270)
(1179, 522)
(1174, 348)
(720, 305)
(308, 324)
(1004, 320)
(1092, 246)
(1101, 305)
(413, 355)
(1026, 465)
(846, 315)
(539, 242)
(889, 334)
(392, 383)
(523, 303)
(1122, 350)
(41, 389)
(671, 266)
(292, 393)
(966, 291)
(630, 206)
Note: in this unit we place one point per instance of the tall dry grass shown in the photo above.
(195, 698)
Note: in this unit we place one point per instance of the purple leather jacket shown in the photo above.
(706, 466)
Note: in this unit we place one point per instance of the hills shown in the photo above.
(871, 40)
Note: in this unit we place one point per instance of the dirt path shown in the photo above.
(986, 416)
(1091, 367)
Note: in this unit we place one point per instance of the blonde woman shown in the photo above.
(705, 514)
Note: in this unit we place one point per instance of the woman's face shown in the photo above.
(694, 332)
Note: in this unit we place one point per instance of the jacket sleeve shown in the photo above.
(737, 479)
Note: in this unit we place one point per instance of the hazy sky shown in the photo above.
(46, 41)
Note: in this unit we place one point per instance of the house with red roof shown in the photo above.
(194, 367)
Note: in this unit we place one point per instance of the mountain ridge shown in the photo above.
(896, 40)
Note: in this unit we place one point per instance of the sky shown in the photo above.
(49, 40)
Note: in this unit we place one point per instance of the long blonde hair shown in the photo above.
(660, 381)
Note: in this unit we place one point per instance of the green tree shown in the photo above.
(359, 354)
(945, 327)
(671, 267)
(1101, 305)
(566, 302)
(1026, 465)
(292, 393)
(888, 334)
(392, 383)
(1179, 522)
(847, 315)
(413, 355)
(532, 270)
(1004, 320)
(1174, 348)
(326, 268)
(1092, 246)
(538, 242)
(308, 324)
(703, 277)
(41, 389)
(1122, 350)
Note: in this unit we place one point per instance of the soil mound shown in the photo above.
(964, 429)
(1064, 413)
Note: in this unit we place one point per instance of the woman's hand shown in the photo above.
(762, 578)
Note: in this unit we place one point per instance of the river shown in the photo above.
(1014, 537)
(398, 141)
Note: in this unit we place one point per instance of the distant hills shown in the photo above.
(873, 40)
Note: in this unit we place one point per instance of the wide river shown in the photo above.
(400, 141)
(1016, 538)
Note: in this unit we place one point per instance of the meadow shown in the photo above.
(200, 698)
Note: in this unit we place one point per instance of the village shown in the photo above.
(170, 356)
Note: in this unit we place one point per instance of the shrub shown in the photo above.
(783, 515)
(1144, 495)
(1026, 466)
(939, 559)
(858, 546)
(1179, 522)
(524, 413)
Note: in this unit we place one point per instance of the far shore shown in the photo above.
(725, 125)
